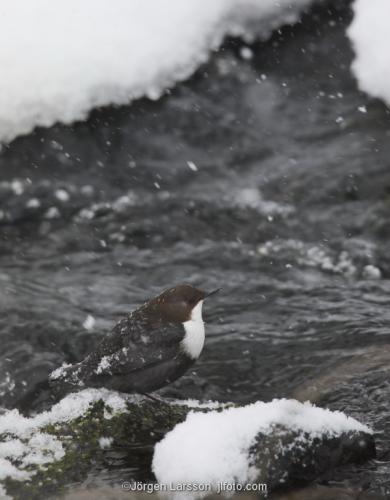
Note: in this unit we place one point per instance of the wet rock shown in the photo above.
(286, 458)
(320, 492)
(361, 363)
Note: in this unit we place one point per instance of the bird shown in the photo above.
(146, 350)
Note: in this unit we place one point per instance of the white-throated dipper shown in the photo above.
(148, 349)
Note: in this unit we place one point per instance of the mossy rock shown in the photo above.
(144, 422)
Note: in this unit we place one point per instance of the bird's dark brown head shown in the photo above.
(176, 304)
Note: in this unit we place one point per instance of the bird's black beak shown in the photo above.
(212, 293)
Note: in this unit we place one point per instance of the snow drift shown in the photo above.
(370, 38)
(58, 60)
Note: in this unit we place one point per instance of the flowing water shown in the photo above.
(268, 177)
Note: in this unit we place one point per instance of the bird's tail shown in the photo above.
(51, 390)
(40, 398)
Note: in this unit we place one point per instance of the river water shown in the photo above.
(268, 177)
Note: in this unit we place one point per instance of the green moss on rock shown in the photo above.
(144, 422)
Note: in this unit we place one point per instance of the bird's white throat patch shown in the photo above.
(193, 341)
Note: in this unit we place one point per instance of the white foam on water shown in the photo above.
(370, 37)
(309, 255)
(58, 60)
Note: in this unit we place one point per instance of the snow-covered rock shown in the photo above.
(103, 52)
(274, 443)
(370, 38)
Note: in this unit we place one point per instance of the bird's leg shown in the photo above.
(157, 399)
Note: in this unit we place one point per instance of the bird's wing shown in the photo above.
(133, 345)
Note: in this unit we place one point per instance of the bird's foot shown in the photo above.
(156, 399)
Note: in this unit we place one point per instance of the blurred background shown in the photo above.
(241, 144)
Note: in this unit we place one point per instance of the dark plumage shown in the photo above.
(146, 350)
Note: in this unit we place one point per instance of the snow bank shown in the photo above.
(210, 448)
(23, 441)
(58, 60)
(370, 38)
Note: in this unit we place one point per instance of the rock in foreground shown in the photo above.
(277, 443)
(281, 443)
